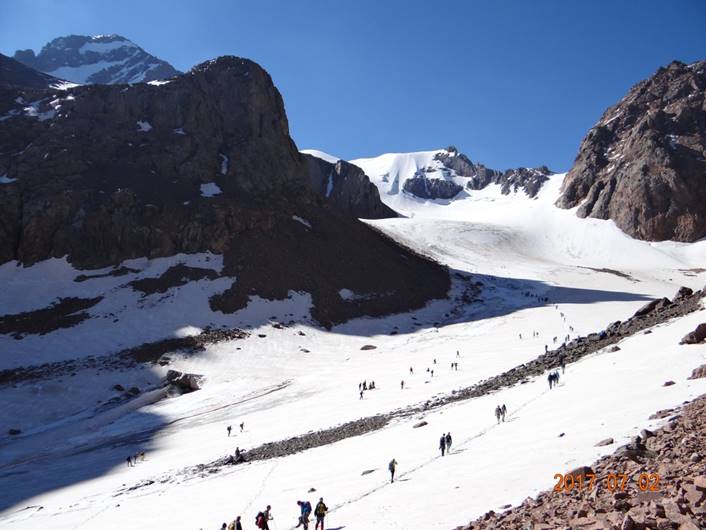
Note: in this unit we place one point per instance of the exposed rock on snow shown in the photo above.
(699, 372)
(644, 163)
(185, 382)
(695, 337)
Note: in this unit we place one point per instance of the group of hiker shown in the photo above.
(500, 412)
(553, 379)
(445, 443)
(230, 428)
(362, 387)
(132, 459)
(263, 518)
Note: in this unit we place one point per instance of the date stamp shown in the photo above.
(566, 483)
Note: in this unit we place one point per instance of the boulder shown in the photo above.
(607, 441)
(683, 292)
(695, 337)
(184, 381)
(368, 347)
(699, 372)
(420, 424)
(651, 306)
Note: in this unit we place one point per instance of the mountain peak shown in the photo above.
(101, 59)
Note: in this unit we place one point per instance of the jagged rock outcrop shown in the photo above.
(184, 381)
(104, 59)
(644, 163)
(530, 180)
(347, 188)
(104, 173)
(431, 188)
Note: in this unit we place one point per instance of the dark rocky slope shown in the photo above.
(104, 173)
(643, 165)
(347, 188)
(14, 75)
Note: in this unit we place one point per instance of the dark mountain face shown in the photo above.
(102, 59)
(347, 188)
(104, 173)
(644, 164)
(14, 76)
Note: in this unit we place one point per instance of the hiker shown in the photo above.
(392, 466)
(434, 361)
(263, 518)
(361, 394)
(360, 386)
(520, 336)
(224, 526)
(239, 456)
(432, 373)
(448, 442)
(546, 349)
(305, 507)
(129, 461)
(411, 370)
(402, 384)
(562, 363)
(458, 354)
(242, 424)
(142, 456)
(229, 429)
(235, 524)
(503, 409)
(550, 378)
(365, 385)
(442, 444)
(556, 378)
(372, 385)
(320, 512)
(498, 413)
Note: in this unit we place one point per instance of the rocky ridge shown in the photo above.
(643, 164)
(451, 172)
(103, 59)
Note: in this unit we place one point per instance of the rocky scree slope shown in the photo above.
(104, 59)
(104, 173)
(644, 163)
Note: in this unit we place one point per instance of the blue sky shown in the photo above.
(508, 82)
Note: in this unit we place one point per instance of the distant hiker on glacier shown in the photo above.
(562, 363)
(503, 410)
(392, 466)
(229, 429)
(263, 518)
(320, 512)
(305, 508)
(129, 461)
(442, 444)
(411, 370)
(361, 394)
(242, 425)
(402, 385)
(550, 378)
(498, 413)
(448, 442)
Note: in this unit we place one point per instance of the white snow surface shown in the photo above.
(70, 458)
(4, 179)
(210, 189)
(301, 220)
(320, 154)
(144, 126)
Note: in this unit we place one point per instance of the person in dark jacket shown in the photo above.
(448, 442)
(442, 444)
(392, 466)
(320, 512)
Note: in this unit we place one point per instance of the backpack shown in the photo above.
(260, 520)
(307, 507)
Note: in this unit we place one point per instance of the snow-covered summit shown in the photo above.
(102, 59)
